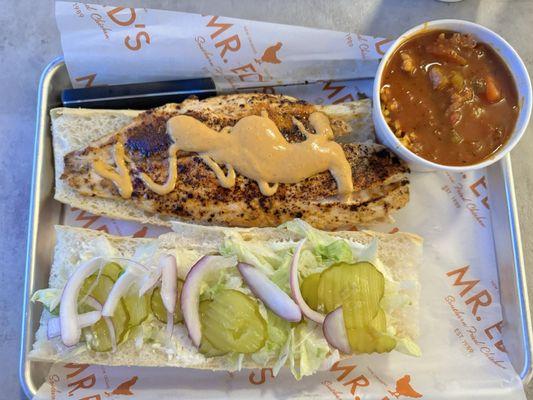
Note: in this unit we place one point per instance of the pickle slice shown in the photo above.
(358, 288)
(138, 308)
(309, 290)
(112, 270)
(208, 350)
(342, 282)
(379, 322)
(378, 327)
(232, 322)
(373, 337)
(158, 308)
(97, 336)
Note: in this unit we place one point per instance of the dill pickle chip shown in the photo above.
(373, 337)
(379, 322)
(309, 290)
(378, 326)
(342, 282)
(385, 344)
(208, 350)
(358, 288)
(232, 322)
(158, 308)
(361, 341)
(97, 336)
(112, 270)
(138, 308)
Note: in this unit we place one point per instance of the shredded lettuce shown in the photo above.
(308, 349)
(185, 260)
(277, 336)
(234, 361)
(326, 248)
(281, 276)
(255, 253)
(226, 279)
(145, 253)
(407, 346)
(99, 247)
(315, 236)
(50, 298)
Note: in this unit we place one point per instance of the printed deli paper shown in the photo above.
(460, 316)
(113, 45)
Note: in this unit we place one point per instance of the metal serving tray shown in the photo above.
(45, 212)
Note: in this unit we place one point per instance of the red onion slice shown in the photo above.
(150, 281)
(276, 299)
(190, 294)
(84, 320)
(170, 324)
(295, 287)
(169, 282)
(68, 313)
(335, 331)
(118, 290)
(92, 302)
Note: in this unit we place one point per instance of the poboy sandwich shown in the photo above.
(248, 160)
(225, 299)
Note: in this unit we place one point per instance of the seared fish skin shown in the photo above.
(380, 179)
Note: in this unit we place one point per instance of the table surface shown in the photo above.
(29, 40)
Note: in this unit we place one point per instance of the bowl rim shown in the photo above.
(518, 69)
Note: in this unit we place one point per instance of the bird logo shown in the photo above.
(403, 388)
(270, 55)
(124, 388)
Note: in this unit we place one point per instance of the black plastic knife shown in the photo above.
(138, 95)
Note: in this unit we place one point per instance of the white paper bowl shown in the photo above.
(504, 50)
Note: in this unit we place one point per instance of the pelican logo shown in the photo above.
(124, 388)
(270, 55)
(404, 389)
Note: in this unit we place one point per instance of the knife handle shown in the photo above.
(139, 95)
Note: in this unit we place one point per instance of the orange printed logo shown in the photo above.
(355, 380)
(459, 194)
(135, 43)
(89, 78)
(231, 43)
(335, 90)
(404, 389)
(90, 220)
(112, 14)
(103, 228)
(262, 378)
(379, 45)
(346, 379)
(474, 187)
(141, 232)
(75, 382)
(124, 388)
(270, 55)
(485, 338)
(480, 299)
(85, 216)
(227, 42)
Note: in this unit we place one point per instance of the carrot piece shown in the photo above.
(492, 92)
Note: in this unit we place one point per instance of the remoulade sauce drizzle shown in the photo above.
(121, 176)
(254, 148)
